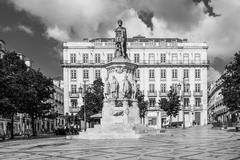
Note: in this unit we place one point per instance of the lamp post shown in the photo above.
(181, 99)
(83, 92)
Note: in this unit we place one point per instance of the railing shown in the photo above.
(163, 94)
(74, 109)
(152, 93)
(198, 106)
(198, 93)
(187, 94)
(144, 62)
(73, 95)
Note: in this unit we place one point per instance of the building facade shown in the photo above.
(162, 63)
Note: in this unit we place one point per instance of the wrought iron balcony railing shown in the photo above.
(198, 93)
(73, 94)
(152, 93)
(143, 62)
(74, 109)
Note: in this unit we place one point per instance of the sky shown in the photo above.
(37, 28)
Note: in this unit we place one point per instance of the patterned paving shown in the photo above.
(190, 144)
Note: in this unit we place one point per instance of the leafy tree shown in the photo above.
(93, 99)
(38, 90)
(11, 88)
(171, 105)
(141, 104)
(231, 84)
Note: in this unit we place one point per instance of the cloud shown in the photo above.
(57, 33)
(25, 29)
(5, 29)
(213, 74)
(78, 19)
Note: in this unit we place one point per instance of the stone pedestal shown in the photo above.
(120, 113)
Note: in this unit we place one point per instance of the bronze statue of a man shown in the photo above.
(121, 39)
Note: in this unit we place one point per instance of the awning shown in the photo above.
(96, 116)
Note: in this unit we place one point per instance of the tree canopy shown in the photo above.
(142, 105)
(171, 104)
(231, 84)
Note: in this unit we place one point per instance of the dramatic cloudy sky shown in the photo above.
(38, 27)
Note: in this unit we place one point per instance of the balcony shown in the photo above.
(198, 107)
(74, 109)
(141, 63)
(198, 93)
(186, 94)
(152, 93)
(73, 95)
(163, 94)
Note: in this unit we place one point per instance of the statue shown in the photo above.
(127, 88)
(114, 87)
(106, 89)
(134, 89)
(121, 40)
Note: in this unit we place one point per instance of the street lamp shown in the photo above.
(181, 99)
(83, 92)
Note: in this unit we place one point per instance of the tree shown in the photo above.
(171, 105)
(11, 88)
(142, 105)
(93, 99)
(231, 84)
(38, 90)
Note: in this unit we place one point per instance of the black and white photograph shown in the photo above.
(119, 79)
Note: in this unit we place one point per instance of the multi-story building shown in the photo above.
(162, 62)
(217, 111)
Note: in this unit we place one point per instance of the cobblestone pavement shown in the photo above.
(193, 143)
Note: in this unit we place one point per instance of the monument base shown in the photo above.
(116, 131)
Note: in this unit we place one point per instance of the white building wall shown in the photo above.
(182, 48)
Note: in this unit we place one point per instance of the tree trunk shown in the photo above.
(170, 121)
(33, 126)
(12, 127)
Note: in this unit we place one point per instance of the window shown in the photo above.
(197, 87)
(73, 88)
(151, 58)
(175, 87)
(74, 103)
(174, 58)
(186, 102)
(151, 88)
(185, 58)
(197, 102)
(97, 74)
(185, 73)
(163, 88)
(197, 73)
(152, 102)
(163, 73)
(73, 74)
(163, 58)
(109, 57)
(85, 58)
(73, 58)
(136, 58)
(97, 58)
(152, 121)
(174, 73)
(151, 74)
(137, 74)
(197, 57)
(186, 87)
(85, 74)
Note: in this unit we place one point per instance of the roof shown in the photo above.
(140, 39)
